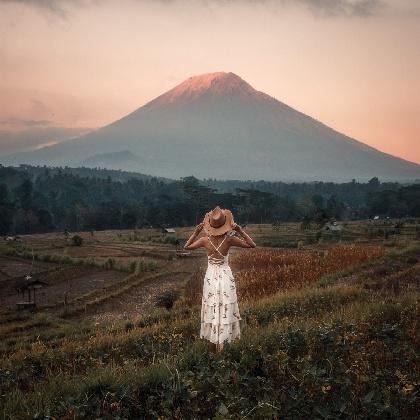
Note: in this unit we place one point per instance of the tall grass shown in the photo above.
(264, 272)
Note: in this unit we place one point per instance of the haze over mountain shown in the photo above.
(218, 126)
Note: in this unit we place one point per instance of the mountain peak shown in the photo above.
(213, 85)
(211, 80)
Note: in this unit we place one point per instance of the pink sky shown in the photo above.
(86, 63)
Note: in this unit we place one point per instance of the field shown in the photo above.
(329, 326)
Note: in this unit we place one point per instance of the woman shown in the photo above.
(219, 309)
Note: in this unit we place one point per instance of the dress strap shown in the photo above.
(217, 249)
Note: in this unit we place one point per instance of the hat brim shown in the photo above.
(226, 227)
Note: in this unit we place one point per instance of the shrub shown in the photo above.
(170, 240)
(109, 264)
(77, 240)
(143, 266)
(129, 325)
(167, 298)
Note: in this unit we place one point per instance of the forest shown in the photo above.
(41, 199)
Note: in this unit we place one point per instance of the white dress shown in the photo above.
(219, 309)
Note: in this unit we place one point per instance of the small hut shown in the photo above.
(168, 230)
(332, 227)
(29, 285)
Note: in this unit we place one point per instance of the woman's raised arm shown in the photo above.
(246, 243)
(192, 243)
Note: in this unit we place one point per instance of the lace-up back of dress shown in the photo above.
(215, 259)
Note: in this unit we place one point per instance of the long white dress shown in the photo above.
(219, 309)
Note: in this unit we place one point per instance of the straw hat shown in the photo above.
(218, 221)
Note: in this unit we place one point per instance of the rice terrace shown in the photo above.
(330, 325)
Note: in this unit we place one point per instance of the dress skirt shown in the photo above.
(219, 309)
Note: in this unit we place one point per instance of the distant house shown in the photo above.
(376, 218)
(168, 230)
(332, 227)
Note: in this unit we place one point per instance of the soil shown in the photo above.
(63, 283)
(137, 301)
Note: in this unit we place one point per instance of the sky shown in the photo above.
(67, 66)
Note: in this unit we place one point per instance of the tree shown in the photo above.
(45, 220)
(24, 193)
(374, 183)
(318, 201)
(4, 194)
(334, 208)
(200, 196)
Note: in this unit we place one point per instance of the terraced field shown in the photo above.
(329, 327)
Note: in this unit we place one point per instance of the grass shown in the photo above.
(316, 361)
(343, 345)
(108, 264)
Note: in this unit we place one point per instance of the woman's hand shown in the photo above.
(199, 227)
(236, 227)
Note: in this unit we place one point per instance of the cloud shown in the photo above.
(327, 8)
(56, 7)
(22, 122)
(360, 8)
(36, 137)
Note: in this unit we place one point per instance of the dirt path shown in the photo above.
(138, 300)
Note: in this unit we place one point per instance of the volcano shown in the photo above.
(216, 125)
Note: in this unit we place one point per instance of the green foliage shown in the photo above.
(336, 349)
(77, 240)
(144, 266)
(167, 298)
(328, 369)
(82, 199)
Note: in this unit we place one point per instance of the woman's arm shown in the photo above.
(192, 243)
(247, 243)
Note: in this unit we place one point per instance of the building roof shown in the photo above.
(169, 230)
(24, 283)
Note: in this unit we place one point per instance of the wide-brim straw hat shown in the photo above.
(218, 221)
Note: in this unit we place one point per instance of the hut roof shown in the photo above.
(169, 230)
(24, 283)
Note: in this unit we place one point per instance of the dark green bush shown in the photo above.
(77, 240)
(167, 298)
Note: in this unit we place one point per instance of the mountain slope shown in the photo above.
(216, 125)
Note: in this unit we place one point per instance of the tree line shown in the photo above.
(41, 199)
